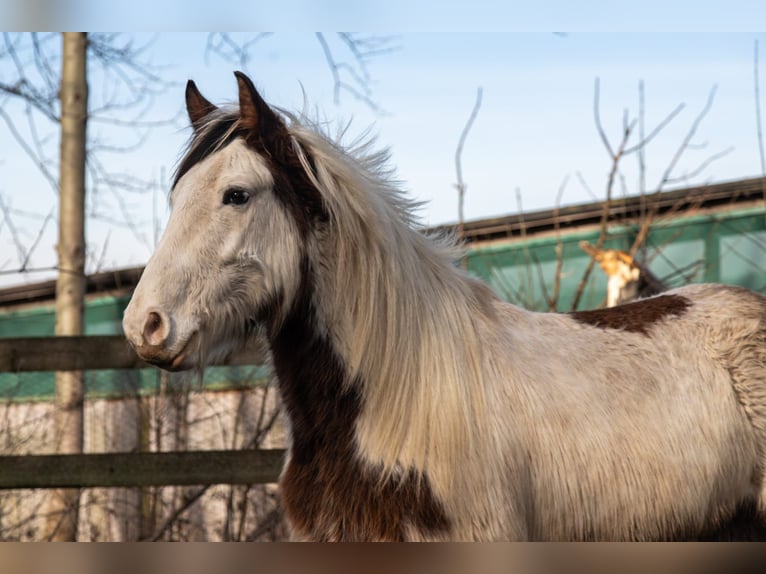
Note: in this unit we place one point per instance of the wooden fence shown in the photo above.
(120, 469)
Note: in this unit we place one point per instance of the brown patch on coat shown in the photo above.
(328, 492)
(636, 317)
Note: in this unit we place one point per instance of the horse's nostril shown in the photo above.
(155, 329)
(154, 322)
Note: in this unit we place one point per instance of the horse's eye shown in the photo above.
(235, 196)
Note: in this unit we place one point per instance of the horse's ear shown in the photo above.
(591, 250)
(197, 106)
(255, 114)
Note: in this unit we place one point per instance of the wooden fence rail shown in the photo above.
(141, 469)
(85, 353)
(121, 469)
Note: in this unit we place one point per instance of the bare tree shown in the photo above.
(48, 77)
(533, 278)
(70, 286)
(623, 149)
(123, 88)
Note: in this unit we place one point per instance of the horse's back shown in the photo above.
(652, 409)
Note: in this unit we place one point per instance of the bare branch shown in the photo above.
(461, 186)
(689, 135)
(616, 157)
(33, 270)
(37, 239)
(36, 159)
(704, 164)
(554, 301)
(648, 216)
(758, 122)
(190, 498)
(642, 149)
(99, 261)
(351, 75)
(585, 185)
(604, 215)
(45, 100)
(658, 128)
(361, 93)
(224, 46)
(525, 243)
(20, 251)
(597, 118)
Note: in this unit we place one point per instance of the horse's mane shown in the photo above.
(411, 334)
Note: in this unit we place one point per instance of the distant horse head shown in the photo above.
(627, 279)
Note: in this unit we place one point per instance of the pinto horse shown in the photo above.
(421, 406)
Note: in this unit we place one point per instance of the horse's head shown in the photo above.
(231, 254)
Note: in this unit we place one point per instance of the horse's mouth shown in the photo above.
(177, 364)
(186, 359)
(182, 361)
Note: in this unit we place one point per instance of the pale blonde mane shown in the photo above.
(403, 315)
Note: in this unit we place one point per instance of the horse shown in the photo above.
(627, 279)
(421, 406)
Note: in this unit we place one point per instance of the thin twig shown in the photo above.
(701, 167)
(360, 87)
(641, 149)
(41, 165)
(648, 218)
(461, 186)
(758, 124)
(523, 233)
(189, 500)
(689, 135)
(597, 118)
(643, 141)
(554, 302)
(226, 47)
(20, 251)
(585, 186)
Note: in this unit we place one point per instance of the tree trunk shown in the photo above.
(70, 286)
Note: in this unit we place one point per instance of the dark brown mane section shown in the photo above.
(292, 185)
(635, 317)
(329, 494)
(217, 134)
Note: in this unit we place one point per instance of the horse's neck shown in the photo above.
(319, 396)
(393, 335)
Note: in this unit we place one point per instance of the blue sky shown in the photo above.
(534, 132)
(400, 15)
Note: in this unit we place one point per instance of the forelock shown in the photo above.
(218, 130)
